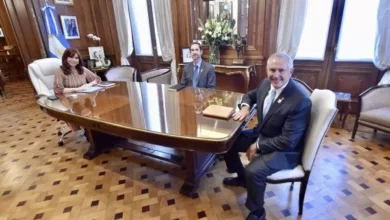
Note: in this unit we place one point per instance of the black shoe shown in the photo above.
(230, 171)
(253, 216)
(234, 181)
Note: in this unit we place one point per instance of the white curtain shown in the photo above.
(382, 42)
(162, 9)
(291, 21)
(122, 20)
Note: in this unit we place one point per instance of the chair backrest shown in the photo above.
(121, 73)
(323, 112)
(159, 76)
(304, 86)
(374, 98)
(41, 74)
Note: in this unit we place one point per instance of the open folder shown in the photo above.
(218, 111)
(90, 89)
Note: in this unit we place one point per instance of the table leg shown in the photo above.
(342, 106)
(346, 114)
(99, 142)
(197, 164)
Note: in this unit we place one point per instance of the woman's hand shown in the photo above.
(85, 86)
(94, 82)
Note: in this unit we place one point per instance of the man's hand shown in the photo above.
(251, 152)
(242, 114)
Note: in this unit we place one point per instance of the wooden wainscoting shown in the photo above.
(311, 72)
(262, 30)
(145, 63)
(93, 16)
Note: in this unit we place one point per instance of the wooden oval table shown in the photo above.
(151, 119)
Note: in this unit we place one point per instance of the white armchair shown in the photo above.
(159, 76)
(322, 114)
(41, 74)
(374, 109)
(121, 73)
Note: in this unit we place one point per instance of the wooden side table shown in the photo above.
(101, 72)
(2, 85)
(346, 100)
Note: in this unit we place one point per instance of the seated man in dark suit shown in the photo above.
(283, 112)
(198, 73)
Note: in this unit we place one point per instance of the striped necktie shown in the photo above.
(195, 77)
(269, 102)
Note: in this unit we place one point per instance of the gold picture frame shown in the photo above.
(63, 2)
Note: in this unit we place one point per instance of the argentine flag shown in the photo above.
(57, 41)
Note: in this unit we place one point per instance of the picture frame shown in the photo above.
(186, 55)
(70, 27)
(63, 2)
(1, 33)
(96, 53)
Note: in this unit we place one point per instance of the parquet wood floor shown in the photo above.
(39, 180)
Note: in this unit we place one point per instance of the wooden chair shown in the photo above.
(322, 114)
(374, 109)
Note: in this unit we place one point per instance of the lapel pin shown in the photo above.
(280, 100)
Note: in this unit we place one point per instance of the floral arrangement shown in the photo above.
(94, 38)
(216, 32)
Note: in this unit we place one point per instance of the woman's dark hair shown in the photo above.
(71, 52)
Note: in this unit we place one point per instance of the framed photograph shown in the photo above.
(96, 53)
(1, 33)
(63, 2)
(186, 55)
(70, 27)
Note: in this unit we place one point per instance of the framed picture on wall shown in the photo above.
(96, 53)
(186, 55)
(70, 27)
(1, 33)
(63, 2)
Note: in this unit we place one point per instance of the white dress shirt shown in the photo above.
(278, 92)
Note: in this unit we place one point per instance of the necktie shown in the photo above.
(269, 102)
(195, 77)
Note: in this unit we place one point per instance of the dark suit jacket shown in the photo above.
(282, 131)
(206, 77)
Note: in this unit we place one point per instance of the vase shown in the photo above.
(214, 55)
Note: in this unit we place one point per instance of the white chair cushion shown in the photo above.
(42, 72)
(146, 76)
(297, 172)
(161, 79)
(120, 73)
(322, 113)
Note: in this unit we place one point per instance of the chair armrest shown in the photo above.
(374, 98)
(145, 76)
(252, 113)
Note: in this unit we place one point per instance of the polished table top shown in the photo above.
(152, 108)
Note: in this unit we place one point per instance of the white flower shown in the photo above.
(203, 36)
(200, 28)
(90, 35)
(94, 38)
(97, 38)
